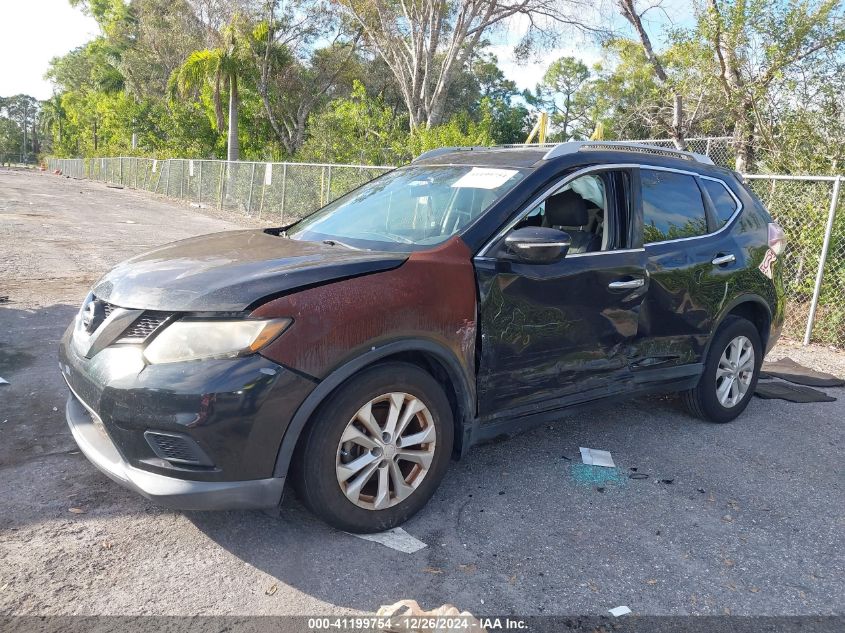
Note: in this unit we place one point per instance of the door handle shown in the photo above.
(721, 260)
(626, 285)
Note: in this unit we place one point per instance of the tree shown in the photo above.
(678, 125)
(150, 40)
(628, 101)
(220, 68)
(761, 46)
(482, 90)
(460, 130)
(292, 84)
(82, 77)
(52, 118)
(804, 130)
(566, 95)
(425, 43)
(22, 110)
(360, 128)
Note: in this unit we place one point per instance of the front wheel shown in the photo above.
(375, 452)
(730, 373)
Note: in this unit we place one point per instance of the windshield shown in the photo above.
(408, 209)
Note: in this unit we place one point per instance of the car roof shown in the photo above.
(570, 154)
(504, 156)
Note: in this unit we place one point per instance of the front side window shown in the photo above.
(723, 201)
(672, 206)
(410, 208)
(582, 208)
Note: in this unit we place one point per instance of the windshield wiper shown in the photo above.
(337, 243)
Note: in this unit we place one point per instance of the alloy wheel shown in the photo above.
(735, 372)
(386, 450)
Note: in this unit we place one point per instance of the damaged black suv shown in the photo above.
(468, 295)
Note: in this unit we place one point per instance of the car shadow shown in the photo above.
(514, 491)
(42, 470)
(33, 400)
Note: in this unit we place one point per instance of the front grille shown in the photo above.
(144, 326)
(176, 448)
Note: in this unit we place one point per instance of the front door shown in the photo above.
(567, 328)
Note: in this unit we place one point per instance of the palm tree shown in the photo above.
(52, 116)
(221, 67)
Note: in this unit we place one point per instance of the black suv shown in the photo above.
(468, 295)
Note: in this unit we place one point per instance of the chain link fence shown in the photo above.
(809, 209)
(286, 191)
(16, 160)
(719, 149)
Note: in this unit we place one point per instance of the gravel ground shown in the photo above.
(745, 518)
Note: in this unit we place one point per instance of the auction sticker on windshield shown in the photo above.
(485, 178)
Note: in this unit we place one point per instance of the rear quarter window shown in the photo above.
(672, 206)
(723, 201)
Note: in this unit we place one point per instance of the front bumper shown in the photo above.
(94, 442)
(232, 412)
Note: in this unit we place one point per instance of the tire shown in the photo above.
(326, 469)
(703, 401)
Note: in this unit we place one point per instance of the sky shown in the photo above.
(32, 32)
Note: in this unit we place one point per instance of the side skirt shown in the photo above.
(652, 381)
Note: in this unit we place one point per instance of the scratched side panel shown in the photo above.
(432, 296)
(688, 294)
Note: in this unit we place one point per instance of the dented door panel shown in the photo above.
(551, 330)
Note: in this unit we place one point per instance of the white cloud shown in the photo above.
(32, 32)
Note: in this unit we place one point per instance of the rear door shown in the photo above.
(564, 329)
(689, 263)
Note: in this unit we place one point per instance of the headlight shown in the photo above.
(192, 339)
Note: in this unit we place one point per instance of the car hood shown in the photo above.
(231, 271)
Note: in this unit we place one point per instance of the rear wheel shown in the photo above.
(376, 452)
(730, 373)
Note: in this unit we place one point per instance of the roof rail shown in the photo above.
(562, 149)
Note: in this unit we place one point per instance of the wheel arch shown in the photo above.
(430, 356)
(753, 308)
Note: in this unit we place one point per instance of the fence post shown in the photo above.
(329, 186)
(284, 189)
(251, 186)
(220, 188)
(264, 189)
(199, 186)
(707, 149)
(834, 201)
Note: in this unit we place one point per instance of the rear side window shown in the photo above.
(723, 201)
(672, 206)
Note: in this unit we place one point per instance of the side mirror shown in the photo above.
(538, 245)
